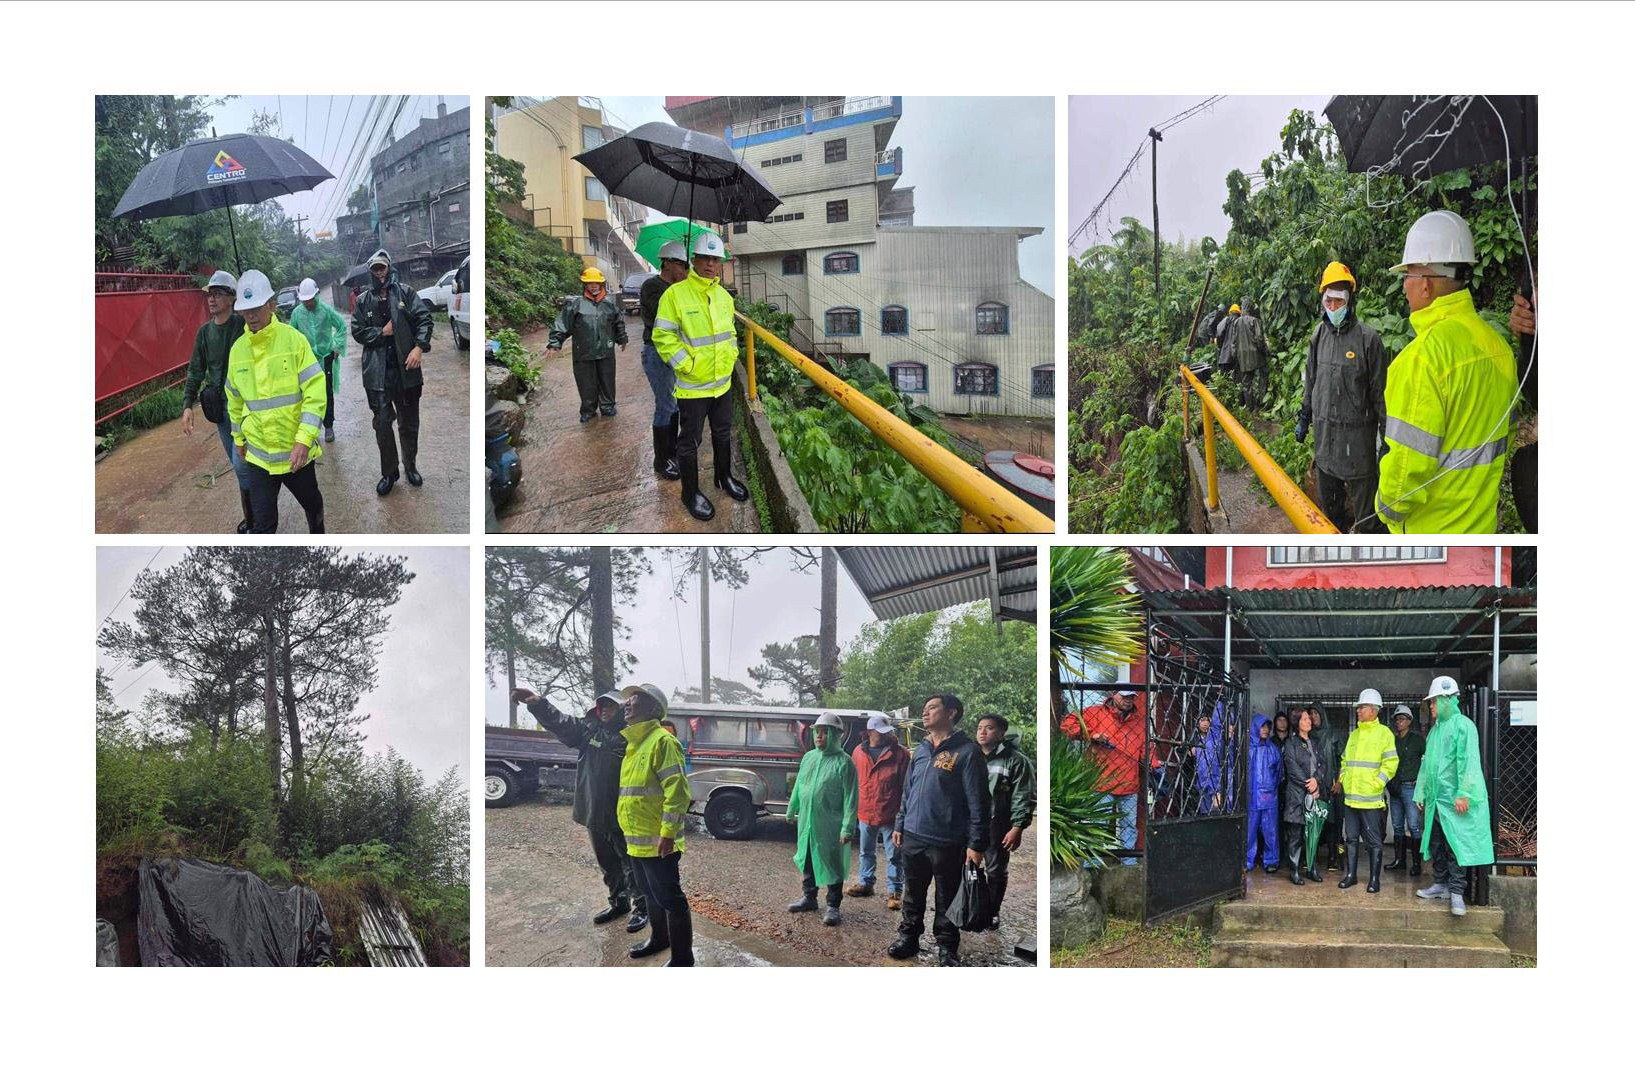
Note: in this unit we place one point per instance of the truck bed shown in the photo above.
(527, 746)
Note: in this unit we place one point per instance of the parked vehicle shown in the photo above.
(630, 292)
(742, 761)
(286, 303)
(459, 306)
(439, 295)
(516, 760)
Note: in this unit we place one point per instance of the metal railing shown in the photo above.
(987, 505)
(1307, 518)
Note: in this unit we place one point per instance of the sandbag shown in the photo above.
(192, 912)
(107, 945)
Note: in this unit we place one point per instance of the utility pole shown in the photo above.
(602, 658)
(300, 252)
(1153, 133)
(828, 650)
(704, 622)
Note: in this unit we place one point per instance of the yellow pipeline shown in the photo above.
(987, 504)
(1307, 518)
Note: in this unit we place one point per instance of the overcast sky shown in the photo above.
(971, 161)
(1193, 159)
(778, 604)
(422, 695)
(331, 130)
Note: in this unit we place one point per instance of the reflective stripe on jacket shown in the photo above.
(653, 792)
(275, 396)
(694, 333)
(1447, 424)
(1369, 762)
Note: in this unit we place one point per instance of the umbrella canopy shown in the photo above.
(681, 172)
(1422, 135)
(357, 276)
(213, 173)
(657, 234)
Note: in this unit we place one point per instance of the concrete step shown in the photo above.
(1240, 947)
(1342, 917)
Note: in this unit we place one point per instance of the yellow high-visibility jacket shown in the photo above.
(1447, 423)
(653, 792)
(693, 332)
(1370, 760)
(275, 396)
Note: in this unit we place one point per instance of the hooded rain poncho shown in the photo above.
(1452, 768)
(824, 803)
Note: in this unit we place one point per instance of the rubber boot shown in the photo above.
(681, 938)
(694, 502)
(664, 454)
(617, 906)
(1415, 860)
(1294, 869)
(659, 940)
(722, 450)
(411, 449)
(1350, 879)
(315, 522)
(1375, 858)
(244, 504)
(1400, 846)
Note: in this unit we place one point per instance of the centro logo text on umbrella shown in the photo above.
(224, 169)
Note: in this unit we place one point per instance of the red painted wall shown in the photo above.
(1464, 565)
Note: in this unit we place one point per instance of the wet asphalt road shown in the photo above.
(543, 886)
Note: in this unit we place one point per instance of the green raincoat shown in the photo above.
(1452, 768)
(324, 328)
(824, 801)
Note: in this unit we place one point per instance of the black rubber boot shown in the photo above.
(805, 904)
(1400, 847)
(721, 448)
(384, 486)
(315, 522)
(411, 449)
(681, 938)
(1415, 860)
(616, 907)
(693, 501)
(1350, 879)
(659, 940)
(637, 921)
(664, 454)
(244, 504)
(1375, 858)
(903, 947)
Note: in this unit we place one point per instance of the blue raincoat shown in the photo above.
(1265, 777)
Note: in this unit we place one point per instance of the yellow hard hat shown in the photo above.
(1334, 274)
(1235, 309)
(592, 276)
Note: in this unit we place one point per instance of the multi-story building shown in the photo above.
(563, 199)
(944, 310)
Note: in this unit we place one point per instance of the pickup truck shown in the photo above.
(515, 761)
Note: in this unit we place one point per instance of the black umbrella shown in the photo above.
(218, 172)
(1415, 136)
(682, 173)
(357, 276)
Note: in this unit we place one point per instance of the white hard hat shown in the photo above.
(1440, 237)
(610, 696)
(1403, 711)
(829, 719)
(380, 258)
(879, 723)
(674, 249)
(1370, 697)
(1443, 686)
(306, 290)
(709, 244)
(222, 279)
(651, 691)
(254, 290)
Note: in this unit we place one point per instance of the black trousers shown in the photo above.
(660, 880)
(1345, 501)
(1252, 386)
(402, 407)
(1294, 840)
(809, 886)
(997, 863)
(1524, 483)
(925, 864)
(615, 861)
(330, 362)
(694, 412)
(264, 489)
(1445, 867)
(1369, 823)
(594, 380)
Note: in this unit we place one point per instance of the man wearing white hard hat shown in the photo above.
(325, 330)
(275, 402)
(666, 418)
(694, 332)
(1452, 792)
(1448, 395)
(823, 806)
(654, 798)
(1366, 768)
(207, 376)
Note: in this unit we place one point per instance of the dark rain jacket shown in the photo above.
(1345, 397)
(1302, 759)
(652, 291)
(1265, 767)
(383, 355)
(1248, 343)
(1410, 754)
(208, 363)
(1223, 341)
(1010, 786)
(945, 801)
(601, 751)
(593, 327)
(1329, 746)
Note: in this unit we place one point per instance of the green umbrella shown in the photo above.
(1316, 816)
(655, 235)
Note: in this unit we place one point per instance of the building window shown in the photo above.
(843, 322)
(453, 207)
(790, 159)
(992, 320)
(443, 146)
(740, 227)
(841, 262)
(594, 191)
(794, 265)
(1044, 380)
(894, 321)
(834, 151)
(976, 379)
(838, 212)
(592, 136)
(781, 217)
(1353, 555)
(909, 378)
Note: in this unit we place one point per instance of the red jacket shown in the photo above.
(880, 783)
(1121, 764)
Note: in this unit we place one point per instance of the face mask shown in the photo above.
(595, 292)
(1335, 317)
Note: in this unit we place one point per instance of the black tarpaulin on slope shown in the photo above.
(192, 912)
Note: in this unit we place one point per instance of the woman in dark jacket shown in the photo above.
(1304, 771)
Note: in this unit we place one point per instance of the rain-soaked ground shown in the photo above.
(585, 478)
(543, 886)
(163, 481)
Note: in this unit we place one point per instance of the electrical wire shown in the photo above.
(128, 586)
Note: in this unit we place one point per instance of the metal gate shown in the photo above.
(1194, 813)
(1510, 768)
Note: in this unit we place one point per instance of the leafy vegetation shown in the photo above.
(155, 409)
(525, 273)
(1127, 944)
(1303, 210)
(516, 358)
(1083, 818)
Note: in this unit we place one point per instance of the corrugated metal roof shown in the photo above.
(901, 580)
(387, 937)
